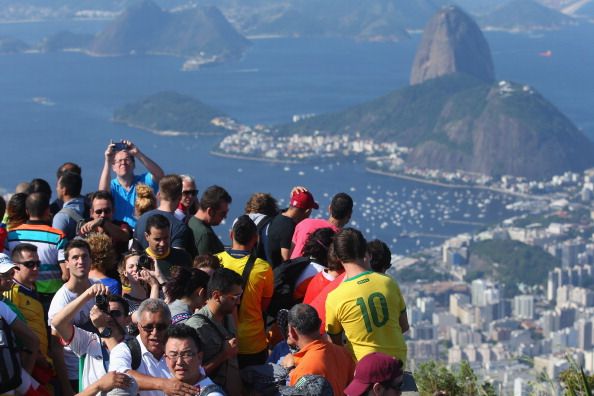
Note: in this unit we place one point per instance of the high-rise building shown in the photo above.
(584, 334)
(523, 306)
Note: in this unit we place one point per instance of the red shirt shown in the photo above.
(319, 303)
(316, 285)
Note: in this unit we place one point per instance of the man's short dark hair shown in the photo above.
(101, 194)
(157, 221)
(213, 196)
(39, 185)
(341, 206)
(223, 280)
(183, 332)
(170, 187)
(17, 251)
(244, 230)
(72, 182)
(37, 204)
(305, 319)
(2, 206)
(76, 244)
(381, 256)
(68, 167)
(349, 245)
(120, 300)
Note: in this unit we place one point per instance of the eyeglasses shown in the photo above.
(190, 192)
(31, 263)
(104, 210)
(116, 313)
(185, 355)
(159, 326)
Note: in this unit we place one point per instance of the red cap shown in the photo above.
(375, 367)
(303, 200)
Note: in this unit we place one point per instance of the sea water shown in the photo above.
(276, 79)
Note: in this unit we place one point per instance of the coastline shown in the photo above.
(160, 132)
(245, 157)
(458, 186)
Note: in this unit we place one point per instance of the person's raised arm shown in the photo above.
(107, 383)
(62, 320)
(104, 179)
(148, 163)
(169, 386)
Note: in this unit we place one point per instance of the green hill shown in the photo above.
(170, 111)
(510, 262)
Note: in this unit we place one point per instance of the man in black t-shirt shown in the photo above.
(158, 236)
(280, 231)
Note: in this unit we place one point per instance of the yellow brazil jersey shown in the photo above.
(367, 308)
(251, 336)
(32, 309)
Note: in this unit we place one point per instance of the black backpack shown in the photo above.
(10, 369)
(135, 352)
(285, 277)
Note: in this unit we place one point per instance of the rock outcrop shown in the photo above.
(452, 43)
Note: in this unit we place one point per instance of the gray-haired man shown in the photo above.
(143, 357)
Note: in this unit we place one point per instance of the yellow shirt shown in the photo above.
(367, 308)
(251, 336)
(32, 309)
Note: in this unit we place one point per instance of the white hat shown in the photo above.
(6, 263)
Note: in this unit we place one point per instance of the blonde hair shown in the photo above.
(145, 200)
(103, 257)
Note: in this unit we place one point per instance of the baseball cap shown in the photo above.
(308, 385)
(373, 368)
(303, 200)
(6, 263)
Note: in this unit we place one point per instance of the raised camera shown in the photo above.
(144, 261)
(102, 303)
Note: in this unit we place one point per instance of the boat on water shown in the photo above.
(546, 54)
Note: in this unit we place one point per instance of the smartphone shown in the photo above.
(119, 146)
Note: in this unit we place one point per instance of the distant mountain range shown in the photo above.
(524, 15)
(456, 118)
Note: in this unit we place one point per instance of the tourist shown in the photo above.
(188, 205)
(368, 307)
(137, 283)
(186, 291)
(103, 263)
(377, 374)
(73, 211)
(216, 329)
(121, 158)
(212, 210)
(253, 346)
(170, 194)
(280, 231)
(340, 209)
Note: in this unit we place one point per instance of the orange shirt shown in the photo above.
(324, 358)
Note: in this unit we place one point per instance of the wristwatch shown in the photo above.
(105, 333)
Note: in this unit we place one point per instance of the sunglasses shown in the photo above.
(31, 263)
(159, 327)
(190, 192)
(101, 211)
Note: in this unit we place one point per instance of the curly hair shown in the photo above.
(262, 203)
(317, 245)
(103, 257)
(145, 200)
(122, 267)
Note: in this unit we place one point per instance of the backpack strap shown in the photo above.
(134, 347)
(212, 388)
(245, 275)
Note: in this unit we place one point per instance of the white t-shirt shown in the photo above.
(7, 313)
(62, 298)
(204, 382)
(89, 344)
(121, 361)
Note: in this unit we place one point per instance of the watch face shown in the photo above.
(105, 333)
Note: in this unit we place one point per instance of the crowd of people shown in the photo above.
(128, 290)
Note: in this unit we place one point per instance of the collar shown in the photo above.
(156, 256)
(238, 253)
(314, 345)
(16, 282)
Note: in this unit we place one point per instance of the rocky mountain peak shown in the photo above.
(452, 43)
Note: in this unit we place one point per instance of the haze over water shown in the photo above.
(276, 79)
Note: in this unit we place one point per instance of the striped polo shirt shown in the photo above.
(50, 244)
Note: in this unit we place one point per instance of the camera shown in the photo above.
(119, 146)
(102, 303)
(144, 261)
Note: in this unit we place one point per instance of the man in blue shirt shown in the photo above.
(123, 186)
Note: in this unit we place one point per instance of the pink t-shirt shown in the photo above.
(302, 231)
